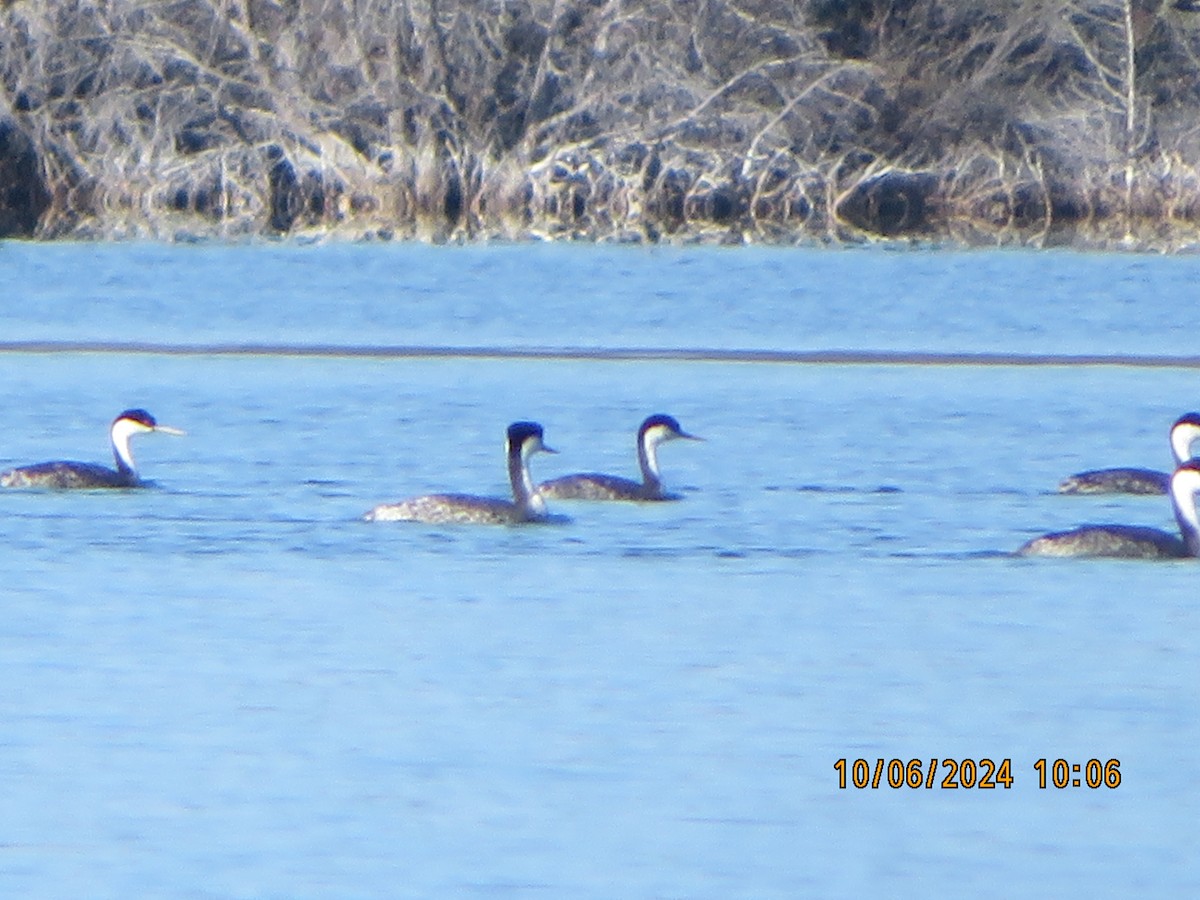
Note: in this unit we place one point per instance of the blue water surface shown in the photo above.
(231, 686)
(563, 295)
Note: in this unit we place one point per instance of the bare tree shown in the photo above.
(724, 120)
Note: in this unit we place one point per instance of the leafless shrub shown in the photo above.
(724, 120)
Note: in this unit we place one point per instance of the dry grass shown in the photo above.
(647, 120)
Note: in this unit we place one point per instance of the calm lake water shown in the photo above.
(230, 686)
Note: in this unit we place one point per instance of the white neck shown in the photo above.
(525, 494)
(122, 431)
(1182, 438)
(1184, 485)
(648, 455)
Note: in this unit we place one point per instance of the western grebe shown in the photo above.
(1132, 541)
(588, 486)
(523, 440)
(63, 474)
(1184, 433)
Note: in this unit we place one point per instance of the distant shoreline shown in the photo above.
(613, 354)
(1000, 124)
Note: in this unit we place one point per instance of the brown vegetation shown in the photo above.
(725, 120)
